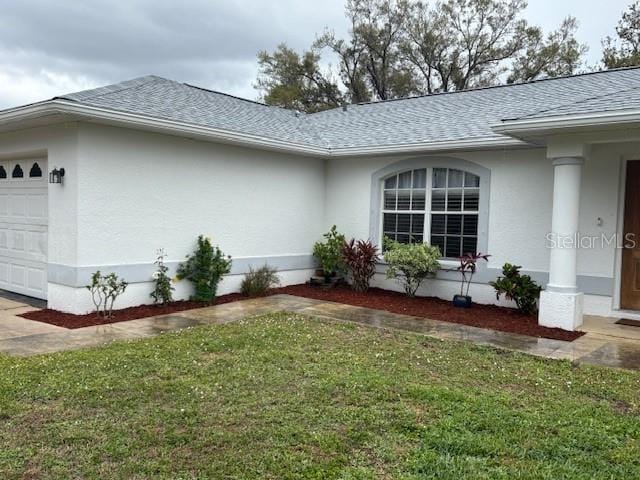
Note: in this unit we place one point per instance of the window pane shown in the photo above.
(437, 200)
(416, 238)
(404, 180)
(454, 200)
(454, 225)
(470, 226)
(417, 224)
(439, 177)
(391, 182)
(471, 180)
(471, 200)
(390, 200)
(438, 224)
(389, 222)
(404, 238)
(404, 223)
(455, 178)
(420, 178)
(404, 199)
(418, 201)
(452, 249)
(469, 245)
(438, 241)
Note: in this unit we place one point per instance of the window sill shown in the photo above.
(444, 264)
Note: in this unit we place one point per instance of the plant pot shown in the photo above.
(462, 301)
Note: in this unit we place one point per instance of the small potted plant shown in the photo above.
(467, 268)
(329, 255)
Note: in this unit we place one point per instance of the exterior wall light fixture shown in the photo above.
(56, 175)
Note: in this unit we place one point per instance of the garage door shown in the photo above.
(23, 227)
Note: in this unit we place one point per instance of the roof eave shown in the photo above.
(479, 143)
(77, 111)
(524, 127)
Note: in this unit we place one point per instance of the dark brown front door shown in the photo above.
(630, 288)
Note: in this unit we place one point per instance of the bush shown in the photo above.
(411, 263)
(257, 282)
(205, 269)
(105, 289)
(360, 260)
(162, 291)
(328, 253)
(519, 288)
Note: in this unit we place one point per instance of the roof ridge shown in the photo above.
(490, 87)
(209, 90)
(113, 88)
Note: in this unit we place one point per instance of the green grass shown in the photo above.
(284, 396)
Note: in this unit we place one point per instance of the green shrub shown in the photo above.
(519, 288)
(105, 289)
(205, 269)
(257, 282)
(163, 288)
(411, 263)
(329, 253)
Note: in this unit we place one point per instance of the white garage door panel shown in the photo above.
(23, 227)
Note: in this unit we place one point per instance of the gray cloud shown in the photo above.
(50, 48)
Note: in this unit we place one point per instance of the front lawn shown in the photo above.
(284, 396)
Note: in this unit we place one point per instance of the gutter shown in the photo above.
(66, 107)
(520, 126)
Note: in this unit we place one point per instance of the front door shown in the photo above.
(630, 288)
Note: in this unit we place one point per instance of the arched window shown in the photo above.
(439, 206)
(17, 172)
(3, 173)
(35, 171)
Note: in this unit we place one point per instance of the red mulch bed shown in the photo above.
(484, 316)
(69, 320)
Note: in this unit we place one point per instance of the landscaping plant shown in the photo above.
(360, 260)
(163, 288)
(105, 289)
(205, 268)
(411, 263)
(328, 253)
(467, 268)
(517, 287)
(257, 282)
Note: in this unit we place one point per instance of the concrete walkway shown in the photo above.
(604, 344)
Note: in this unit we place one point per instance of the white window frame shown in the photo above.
(431, 162)
(428, 211)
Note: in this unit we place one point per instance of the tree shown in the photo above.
(559, 54)
(372, 64)
(398, 48)
(625, 51)
(463, 43)
(296, 81)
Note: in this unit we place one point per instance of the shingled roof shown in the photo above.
(443, 117)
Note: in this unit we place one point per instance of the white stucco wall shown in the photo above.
(127, 193)
(59, 145)
(140, 191)
(521, 195)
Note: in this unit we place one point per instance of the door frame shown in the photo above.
(622, 190)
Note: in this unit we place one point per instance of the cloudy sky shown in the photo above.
(53, 47)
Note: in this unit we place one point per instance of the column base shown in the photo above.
(560, 310)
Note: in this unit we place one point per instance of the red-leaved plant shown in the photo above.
(360, 258)
(467, 267)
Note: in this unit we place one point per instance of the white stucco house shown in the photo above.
(516, 171)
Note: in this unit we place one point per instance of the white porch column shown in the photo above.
(561, 303)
